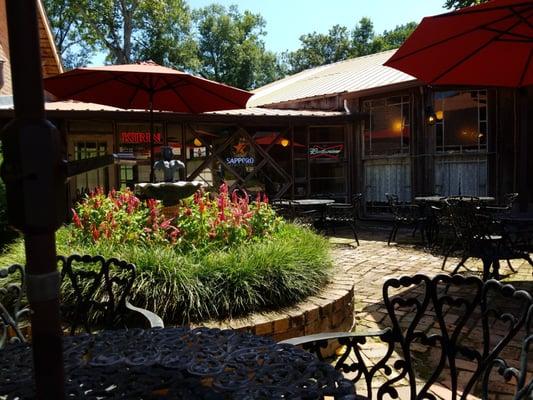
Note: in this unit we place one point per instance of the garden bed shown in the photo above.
(220, 258)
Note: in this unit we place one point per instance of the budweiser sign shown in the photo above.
(326, 151)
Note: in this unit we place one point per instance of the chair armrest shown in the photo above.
(153, 319)
(327, 336)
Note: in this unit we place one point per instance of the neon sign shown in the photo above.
(240, 161)
(139, 137)
(321, 151)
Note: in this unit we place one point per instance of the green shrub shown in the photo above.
(229, 257)
(182, 287)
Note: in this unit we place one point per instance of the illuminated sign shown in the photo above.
(139, 137)
(241, 154)
(240, 160)
(326, 151)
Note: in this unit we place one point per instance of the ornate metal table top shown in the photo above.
(439, 199)
(310, 202)
(178, 363)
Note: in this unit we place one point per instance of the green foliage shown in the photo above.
(230, 47)
(290, 265)
(456, 4)
(118, 218)
(340, 44)
(204, 222)
(6, 233)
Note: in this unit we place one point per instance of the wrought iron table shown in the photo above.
(309, 202)
(440, 199)
(179, 363)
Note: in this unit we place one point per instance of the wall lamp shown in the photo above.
(431, 117)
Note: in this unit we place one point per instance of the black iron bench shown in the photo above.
(448, 334)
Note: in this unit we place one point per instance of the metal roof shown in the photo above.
(256, 111)
(73, 105)
(349, 76)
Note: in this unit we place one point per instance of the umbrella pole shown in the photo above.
(152, 173)
(523, 178)
(25, 212)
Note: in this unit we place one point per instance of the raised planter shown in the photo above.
(331, 310)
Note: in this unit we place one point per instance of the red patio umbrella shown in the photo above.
(146, 86)
(485, 45)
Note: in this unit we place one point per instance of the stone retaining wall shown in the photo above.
(331, 310)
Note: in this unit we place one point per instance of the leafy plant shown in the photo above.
(231, 256)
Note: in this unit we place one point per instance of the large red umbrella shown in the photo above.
(146, 86)
(485, 45)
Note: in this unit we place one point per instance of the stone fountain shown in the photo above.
(169, 191)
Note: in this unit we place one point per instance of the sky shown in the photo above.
(287, 20)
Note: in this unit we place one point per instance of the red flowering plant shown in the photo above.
(223, 219)
(120, 217)
(203, 221)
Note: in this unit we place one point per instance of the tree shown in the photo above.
(340, 44)
(363, 38)
(70, 35)
(394, 38)
(125, 30)
(166, 35)
(230, 48)
(456, 4)
(319, 49)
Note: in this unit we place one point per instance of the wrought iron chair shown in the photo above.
(284, 208)
(426, 342)
(338, 214)
(479, 235)
(405, 215)
(12, 310)
(98, 290)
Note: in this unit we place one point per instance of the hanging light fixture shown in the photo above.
(284, 142)
(431, 118)
(197, 142)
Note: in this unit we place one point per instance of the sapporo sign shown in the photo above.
(240, 154)
(326, 151)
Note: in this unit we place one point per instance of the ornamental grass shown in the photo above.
(223, 255)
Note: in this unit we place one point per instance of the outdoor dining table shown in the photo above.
(440, 199)
(178, 363)
(308, 202)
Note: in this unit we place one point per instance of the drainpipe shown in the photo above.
(345, 106)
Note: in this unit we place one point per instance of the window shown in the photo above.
(98, 177)
(388, 129)
(461, 124)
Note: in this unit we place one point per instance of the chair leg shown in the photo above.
(352, 226)
(395, 232)
(510, 266)
(447, 254)
(461, 264)
(391, 234)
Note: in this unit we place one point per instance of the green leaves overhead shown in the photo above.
(231, 49)
(462, 3)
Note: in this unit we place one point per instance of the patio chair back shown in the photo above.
(12, 310)
(284, 208)
(451, 329)
(95, 292)
(490, 310)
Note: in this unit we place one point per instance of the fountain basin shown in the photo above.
(170, 193)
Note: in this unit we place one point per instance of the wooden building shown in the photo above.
(417, 139)
(335, 130)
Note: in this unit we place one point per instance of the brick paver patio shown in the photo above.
(374, 261)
